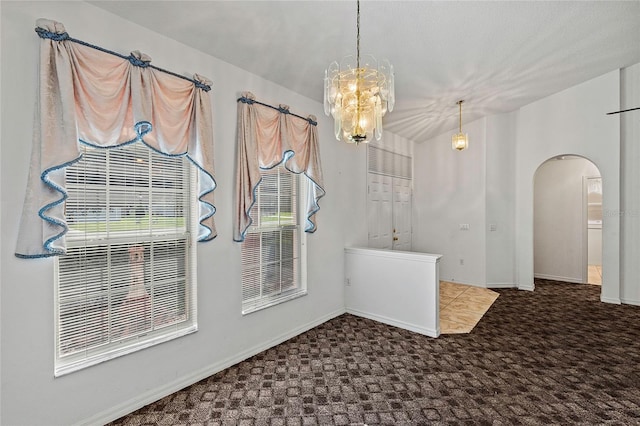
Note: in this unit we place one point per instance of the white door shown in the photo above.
(379, 211)
(389, 212)
(401, 214)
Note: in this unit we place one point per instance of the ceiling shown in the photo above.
(497, 56)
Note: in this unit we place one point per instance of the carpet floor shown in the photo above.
(553, 356)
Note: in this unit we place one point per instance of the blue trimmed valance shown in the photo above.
(268, 136)
(89, 95)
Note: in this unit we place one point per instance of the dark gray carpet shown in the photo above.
(554, 356)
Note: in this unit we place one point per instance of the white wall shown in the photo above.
(493, 184)
(629, 186)
(573, 121)
(500, 200)
(103, 392)
(475, 186)
(559, 222)
(594, 246)
(398, 288)
(449, 190)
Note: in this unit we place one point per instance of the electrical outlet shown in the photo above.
(347, 282)
(464, 226)
(461, 262)
(493, 227)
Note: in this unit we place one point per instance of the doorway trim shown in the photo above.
(389, 198)
(586, 226)
(525, 173)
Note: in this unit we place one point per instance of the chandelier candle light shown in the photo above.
(460, 141)
(357, 93)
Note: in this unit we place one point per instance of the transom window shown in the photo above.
(128, 278)
(273, 252)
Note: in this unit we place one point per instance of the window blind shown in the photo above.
(272, 250)
(128, 279)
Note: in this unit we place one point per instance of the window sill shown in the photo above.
(62, 368)
(258, 306)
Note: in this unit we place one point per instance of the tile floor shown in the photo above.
(462, 306)
(595, 274)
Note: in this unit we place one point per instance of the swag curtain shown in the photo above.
(90, 96)
(268, 136)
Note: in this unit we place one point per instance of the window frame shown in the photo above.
(264, 302)
(120, 240)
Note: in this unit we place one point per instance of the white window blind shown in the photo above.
(128, 278)
(273, 249)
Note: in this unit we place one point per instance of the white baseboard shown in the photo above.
(529, 287)
(396, 323)
(627, 301)
(559, 278)
(611, 300)
(160, 392)
(501, 285)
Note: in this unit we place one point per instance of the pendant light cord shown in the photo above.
(460, 115)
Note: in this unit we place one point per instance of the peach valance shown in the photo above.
(268, 136)
(88, 95)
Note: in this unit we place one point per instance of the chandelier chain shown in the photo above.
(358, 38)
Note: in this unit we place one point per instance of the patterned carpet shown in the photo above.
(553, 356)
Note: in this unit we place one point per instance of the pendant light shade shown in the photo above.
(357, 93)
(460, 141)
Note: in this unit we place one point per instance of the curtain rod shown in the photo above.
(135, 61)
(282, 109)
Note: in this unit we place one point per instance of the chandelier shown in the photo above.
(460, 141)
(357, 93)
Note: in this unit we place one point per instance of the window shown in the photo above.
(128, 279)
(273, 249)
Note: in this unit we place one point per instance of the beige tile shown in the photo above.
(450, 285)
(461, 316)
(445, 300)
(471, 306)
(451, 291)
(478, 291)
(594, 274)
(450, 327)
(462, 306)
(485, 300)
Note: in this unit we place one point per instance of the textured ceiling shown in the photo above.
(497, 56)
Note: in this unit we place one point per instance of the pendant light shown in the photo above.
(460, 141)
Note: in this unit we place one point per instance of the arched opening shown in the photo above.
(567, 220)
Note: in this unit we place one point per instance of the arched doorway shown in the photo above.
(568, 220)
